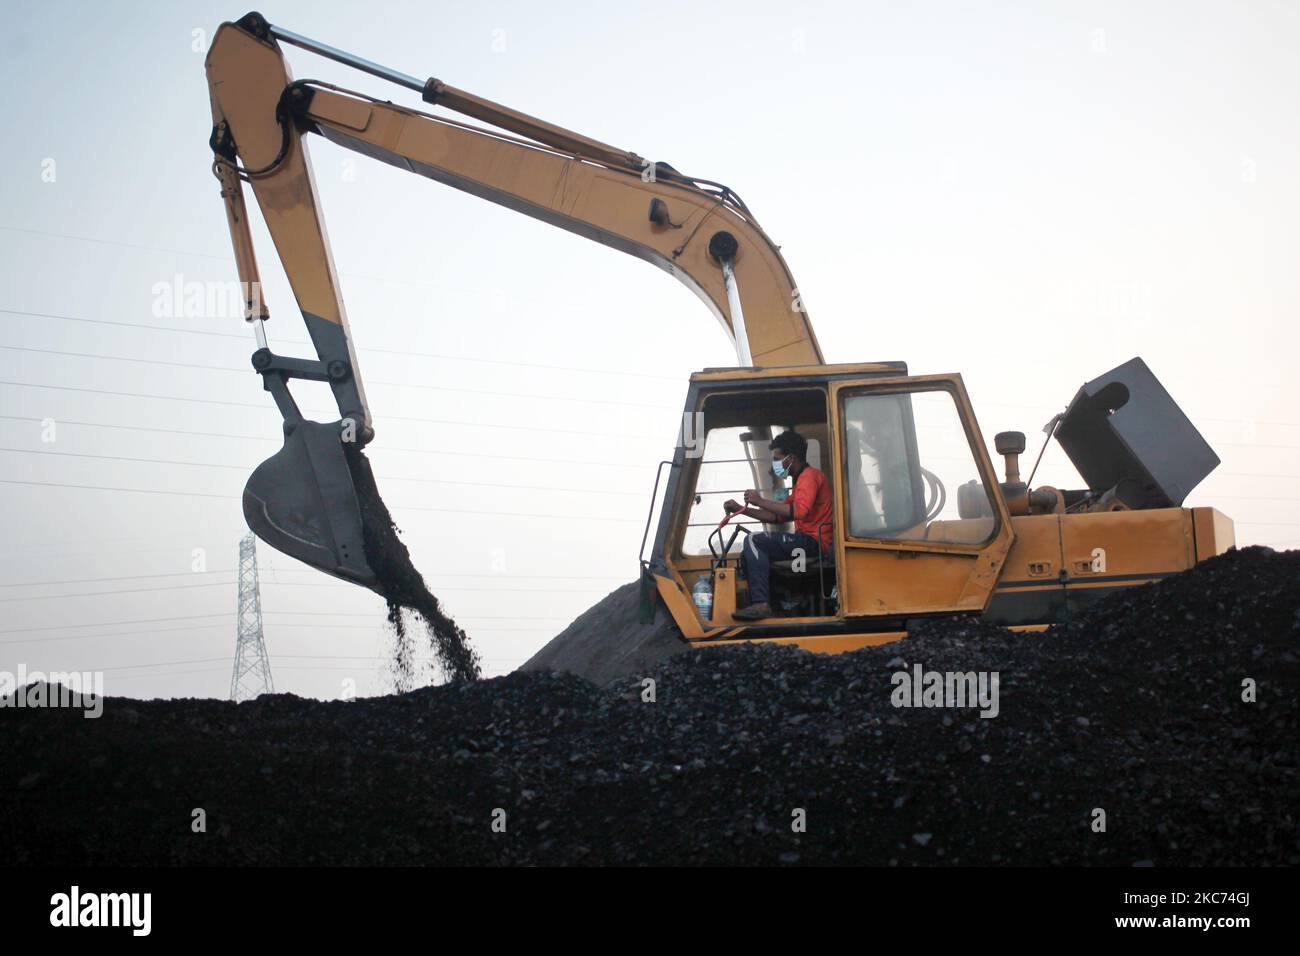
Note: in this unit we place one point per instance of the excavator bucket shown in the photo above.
(303, 501)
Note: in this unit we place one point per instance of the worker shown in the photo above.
(808, 506)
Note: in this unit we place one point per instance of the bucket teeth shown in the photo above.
(302, 501)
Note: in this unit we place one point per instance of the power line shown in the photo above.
(352, 275)
(250, 467)
(196, 670)
(318, 411)
(366, 627)
(188, 432)
(1229, 421)
(145, 461)
(490, 590)
(248, 370)
(121, 667)
(470, 484)
(312, 411)
(399, 507)
(142, 491)
(114, 242)
(91, 239)
(405, 353)
(467, 617)
(125, 577)
(225, 625)
(497, 575)
(196, 617)
(212, 669)
(1294, 498)
(432, 421)
(313, 571)
(151, 620)
(124, 358)
(161, 398)
(277, 657)
(174, 587)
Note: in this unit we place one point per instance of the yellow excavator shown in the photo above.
(922, 524)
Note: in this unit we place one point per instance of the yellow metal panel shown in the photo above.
(353, 114)
(682, 609)
(724, 596)
(1215, 532)
(877, 583)
(1126, 543)
(1036, 554)
(246, 77)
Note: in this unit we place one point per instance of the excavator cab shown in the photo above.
(920, 524)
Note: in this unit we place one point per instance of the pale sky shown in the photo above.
(1026, 193)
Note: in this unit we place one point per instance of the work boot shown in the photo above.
(753, 612)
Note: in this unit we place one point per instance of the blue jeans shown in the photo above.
(765, 547)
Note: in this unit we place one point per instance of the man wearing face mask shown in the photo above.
(808, 506)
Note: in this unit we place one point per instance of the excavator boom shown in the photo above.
(303, 499)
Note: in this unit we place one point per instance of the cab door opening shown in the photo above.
(737, 428)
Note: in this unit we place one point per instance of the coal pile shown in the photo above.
(609, 641)
(403, 587)
(1134, 708)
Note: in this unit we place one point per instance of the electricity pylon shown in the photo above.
(252, 675)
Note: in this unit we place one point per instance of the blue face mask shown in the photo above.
(779, 469)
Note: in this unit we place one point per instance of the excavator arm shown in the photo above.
(303, 499)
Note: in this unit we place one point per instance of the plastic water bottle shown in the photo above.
(703, 595)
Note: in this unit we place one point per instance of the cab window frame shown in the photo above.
(977, 460)
(693, 474)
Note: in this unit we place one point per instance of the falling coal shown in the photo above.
(403, 587)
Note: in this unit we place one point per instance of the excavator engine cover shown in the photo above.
(302, 501)
(1123, 428)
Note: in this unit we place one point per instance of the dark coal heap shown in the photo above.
(1134, 708)
(403, 586)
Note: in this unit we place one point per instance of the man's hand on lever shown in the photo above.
(769, 511)
(759, 508)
